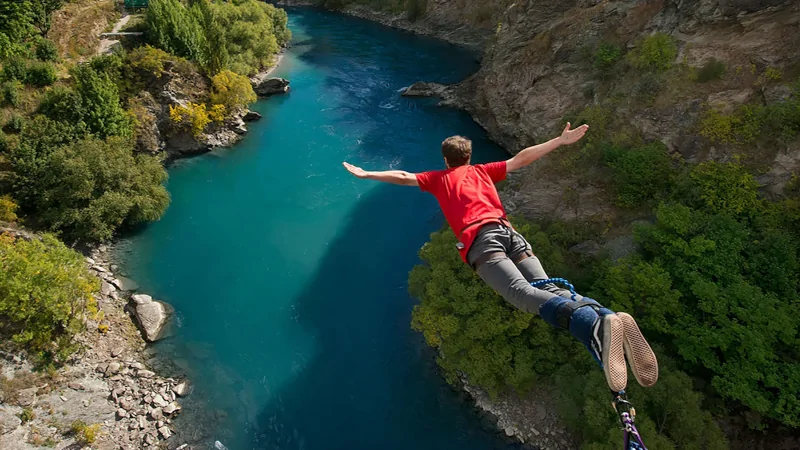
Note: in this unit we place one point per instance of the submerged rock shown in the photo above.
(125, 284)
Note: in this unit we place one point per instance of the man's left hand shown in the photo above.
(572, 136)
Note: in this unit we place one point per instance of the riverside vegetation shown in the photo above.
(713, 279)
(71, 163)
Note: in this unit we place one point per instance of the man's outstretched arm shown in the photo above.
(387, 176)
(531, 154)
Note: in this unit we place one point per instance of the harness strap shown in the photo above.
(565, 310)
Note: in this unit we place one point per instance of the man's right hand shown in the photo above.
(358, 172)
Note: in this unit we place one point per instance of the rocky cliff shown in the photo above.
(542, 67)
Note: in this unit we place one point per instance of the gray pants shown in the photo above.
(512, 281)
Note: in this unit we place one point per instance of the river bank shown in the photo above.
(108, 395)
(116, 392)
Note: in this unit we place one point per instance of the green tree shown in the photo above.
(172, 27)
(231, 90)
(45, 292)
(103, 113)
(92, 187)
(641, 173)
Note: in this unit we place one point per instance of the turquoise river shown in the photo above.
(289, 276)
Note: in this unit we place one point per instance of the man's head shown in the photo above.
(457, 151)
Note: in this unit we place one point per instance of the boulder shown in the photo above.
(106, 288)
(251, 116)
(125, 284)
(27, 397)
(156, 414)
(270, 86)
(422, 89)
(141, 299)
(181, 390)
(152, 317)
(113, 368)
(159, 401)
(164, 432)
(171, 408)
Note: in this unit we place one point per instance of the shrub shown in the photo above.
(45, 290)
(606, 56)
(713, 69)
(639, 174)
(27, 415)
(149, 59)
(85, 434)
(91, 187)
(774, 123)
(724, 188)
(231, 90)
(195, 117)
(63, 104)
(10, 93)
(41, 74)
(14, 124)
(46, 50)
(654, 54)
(15, 68)
(773, 74)
(8, 209)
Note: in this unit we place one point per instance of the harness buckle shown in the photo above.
(624, 409)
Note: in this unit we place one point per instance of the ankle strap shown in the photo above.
(565, 310)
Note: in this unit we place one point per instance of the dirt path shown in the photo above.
(106, 45)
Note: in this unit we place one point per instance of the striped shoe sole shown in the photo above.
(613, 337)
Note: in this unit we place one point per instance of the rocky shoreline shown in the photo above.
(108, 396)
(113, 393)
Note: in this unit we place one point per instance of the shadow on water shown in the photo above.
(360, 318)
(372, 382)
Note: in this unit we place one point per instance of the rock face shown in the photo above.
(532, 420)
(152, 317)
(266, 86)
(533, 73)
(8, 421)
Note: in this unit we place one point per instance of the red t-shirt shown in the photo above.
(467, 197)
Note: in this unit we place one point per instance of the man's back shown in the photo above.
(467, 196)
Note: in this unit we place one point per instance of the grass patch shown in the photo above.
(85, 434)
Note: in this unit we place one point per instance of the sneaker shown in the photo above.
(641, 357)
(607, 343)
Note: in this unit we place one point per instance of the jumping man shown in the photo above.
(505, 261)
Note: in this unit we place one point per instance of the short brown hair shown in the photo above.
(456, 150)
